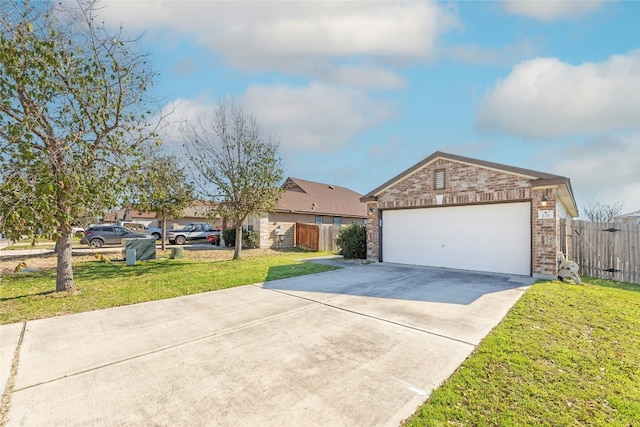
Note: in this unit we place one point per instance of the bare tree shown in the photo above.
(602, 212)
(72, 119)
(239, 169)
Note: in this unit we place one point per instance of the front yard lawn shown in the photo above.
(28, 296)
(565, 355)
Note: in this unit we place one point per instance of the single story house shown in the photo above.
(130, 215)
(463, 213)
(629, 218)
(198, 211)
(306, 202)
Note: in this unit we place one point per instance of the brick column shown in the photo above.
(372, 232)
(544, 233)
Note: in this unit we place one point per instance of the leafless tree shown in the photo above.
(602, 212)
(238, 166)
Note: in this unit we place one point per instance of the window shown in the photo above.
(337, 222)
(318, 220)
(439, 179)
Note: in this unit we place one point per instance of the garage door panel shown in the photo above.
(485, 237)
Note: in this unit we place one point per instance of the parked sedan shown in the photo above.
(98, 235)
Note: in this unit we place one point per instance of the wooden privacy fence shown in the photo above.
(607, 250)
(316, 237)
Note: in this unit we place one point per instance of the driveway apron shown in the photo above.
(360, 346)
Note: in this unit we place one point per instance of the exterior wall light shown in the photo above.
(543, 201)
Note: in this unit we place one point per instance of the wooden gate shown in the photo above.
(607, 250)
(307, 236)
(316, 237)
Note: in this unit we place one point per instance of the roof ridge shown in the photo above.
(457, 158)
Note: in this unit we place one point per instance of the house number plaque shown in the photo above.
(545, 214)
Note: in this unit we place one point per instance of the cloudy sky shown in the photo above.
(358, 91)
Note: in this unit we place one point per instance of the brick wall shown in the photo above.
(469, 184)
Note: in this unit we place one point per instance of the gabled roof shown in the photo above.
(315, 198)
(629, 215)
(122, 214)
(536, 178)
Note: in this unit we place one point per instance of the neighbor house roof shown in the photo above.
(124, 214)
(197, 208)
(633, 214)
(536, 178)
(315, 198)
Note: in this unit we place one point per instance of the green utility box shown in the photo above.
(145, 248)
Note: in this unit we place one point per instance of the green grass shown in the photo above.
(565, 355)
(28, 296)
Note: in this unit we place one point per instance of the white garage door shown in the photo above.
(493, 238)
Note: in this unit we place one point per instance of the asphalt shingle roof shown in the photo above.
(301, 196)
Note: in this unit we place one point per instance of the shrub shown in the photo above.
(251, 239)
(229, 236)
(352, 241)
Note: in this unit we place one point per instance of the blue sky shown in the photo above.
(359, 91)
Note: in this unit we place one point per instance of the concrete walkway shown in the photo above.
(361, 346)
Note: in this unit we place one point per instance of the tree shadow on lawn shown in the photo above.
(37, 294)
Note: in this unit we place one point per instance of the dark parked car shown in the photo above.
(98, 235)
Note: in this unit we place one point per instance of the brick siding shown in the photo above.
(467, 184)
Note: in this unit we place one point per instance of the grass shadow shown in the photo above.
(293, 270)
(606, 283)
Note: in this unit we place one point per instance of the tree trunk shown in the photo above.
(163, 233)
(64, 274)
(238, 248)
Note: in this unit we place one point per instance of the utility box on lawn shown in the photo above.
(145, 248)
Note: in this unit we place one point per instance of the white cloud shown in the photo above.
(317, 117)
(606, 169)
(174, 116)
(546, 98)
(551, 10)
(285, 35)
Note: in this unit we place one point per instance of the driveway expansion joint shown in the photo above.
(160, 349)
(346, 310)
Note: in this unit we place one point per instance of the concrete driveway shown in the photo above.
(361, 346)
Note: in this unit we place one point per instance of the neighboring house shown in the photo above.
(197, 212)
(307, 202)
(630, 218)
(457, 212)
(129, 215)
